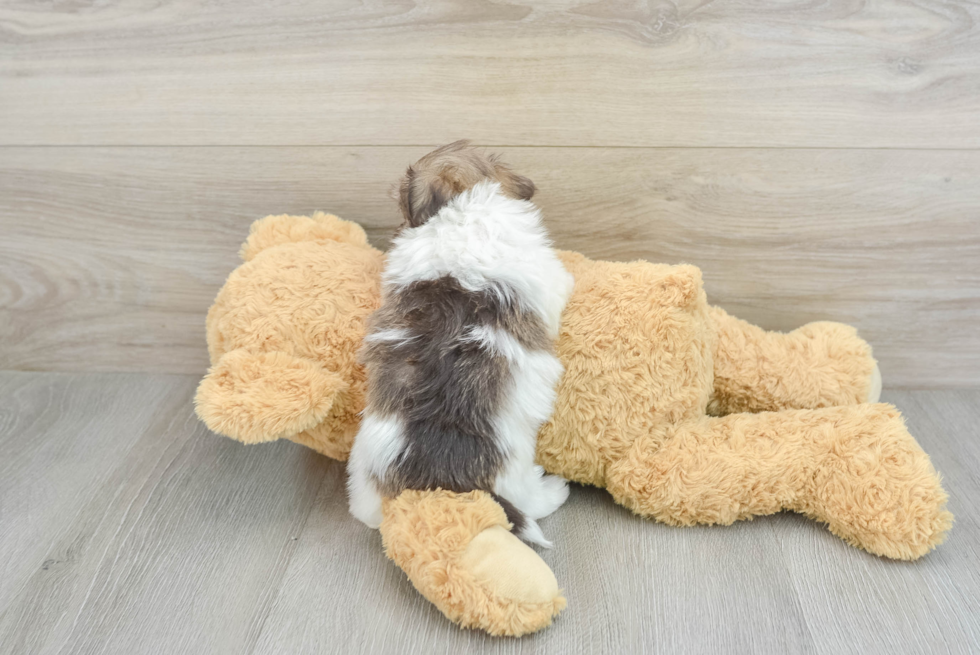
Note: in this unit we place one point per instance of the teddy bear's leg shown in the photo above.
(275, 230)
(256, 397)
(458, 551)
(855, 468)
(821, 364)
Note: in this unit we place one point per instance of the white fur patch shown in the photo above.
(497, 341)
(378, 443)
(486, 241)
(532, 532)
(392, 336)
(528, 404)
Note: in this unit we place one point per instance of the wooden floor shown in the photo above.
(127, 528)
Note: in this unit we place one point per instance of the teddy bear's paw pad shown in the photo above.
(512, 591)
(506, 567)
(257, 397)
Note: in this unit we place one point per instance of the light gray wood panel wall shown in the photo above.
(687, 73)
(111, 256)
(818, 161)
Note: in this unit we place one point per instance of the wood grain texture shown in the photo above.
(183, 542)
(111, 256)
(61, 440)
(841, 73)
(179, 550)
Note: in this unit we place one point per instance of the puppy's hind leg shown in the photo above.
(365, 501)
(376, 446)
(535, 494)
(554, 493)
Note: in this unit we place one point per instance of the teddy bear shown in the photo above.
(685, 414)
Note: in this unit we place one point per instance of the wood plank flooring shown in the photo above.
(127, 527)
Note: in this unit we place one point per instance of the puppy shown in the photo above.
(459, 357)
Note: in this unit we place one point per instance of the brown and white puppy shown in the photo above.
(461, 370)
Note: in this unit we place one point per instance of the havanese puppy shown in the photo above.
(460, 360)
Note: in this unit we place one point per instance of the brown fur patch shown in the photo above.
(436, 178)
(448, 388)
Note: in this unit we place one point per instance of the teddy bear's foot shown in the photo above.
(458, 551)
(876, 488)
(855, 468)
(820, 364)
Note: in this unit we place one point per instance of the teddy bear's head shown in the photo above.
(284, 332)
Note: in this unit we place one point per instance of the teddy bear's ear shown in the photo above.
(276, 230)
(257, 397)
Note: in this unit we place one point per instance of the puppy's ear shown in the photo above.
(403, 193)
(522, 187)
(512, 184)
(422, 195)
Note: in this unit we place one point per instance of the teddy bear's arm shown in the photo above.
(821, 364)
(855, 468)
(264, 396)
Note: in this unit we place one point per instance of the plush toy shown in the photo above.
(684, 413)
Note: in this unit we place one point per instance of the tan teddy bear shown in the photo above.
(684, 413)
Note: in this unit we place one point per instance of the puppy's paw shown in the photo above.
(554, 493)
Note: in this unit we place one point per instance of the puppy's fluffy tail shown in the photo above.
(524, 527)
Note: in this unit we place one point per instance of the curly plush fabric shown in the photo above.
(278, 230)
(636, 345)
(686, 414)
(284, 331)
(821, 364)
(856, 469)
(428, 535)
(263, 396)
